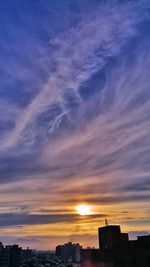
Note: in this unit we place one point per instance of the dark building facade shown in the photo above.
(59, 250)
(26, 255)
(109, 236)
(69, 252)
(91, 257)
(116, 250)
(10, 256)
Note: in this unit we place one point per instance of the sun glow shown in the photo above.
(83, 210)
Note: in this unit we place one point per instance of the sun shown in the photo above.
(83, 210)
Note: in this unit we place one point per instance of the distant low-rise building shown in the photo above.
(26, 255)
(69, 252)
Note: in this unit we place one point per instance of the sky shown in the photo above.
(74, 119)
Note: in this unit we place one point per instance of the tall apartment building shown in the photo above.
(109, 236)
(10, 256)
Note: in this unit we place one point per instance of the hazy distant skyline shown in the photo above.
(75, 119)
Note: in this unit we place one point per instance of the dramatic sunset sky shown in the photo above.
(74, 119)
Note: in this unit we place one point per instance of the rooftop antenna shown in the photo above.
(106, 222)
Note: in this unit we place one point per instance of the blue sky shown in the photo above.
(74, 125)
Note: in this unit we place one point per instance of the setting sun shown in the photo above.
(83, 210)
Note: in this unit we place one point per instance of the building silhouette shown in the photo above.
(116, 250)
(10, 256)
(109, 236)
(69, 252)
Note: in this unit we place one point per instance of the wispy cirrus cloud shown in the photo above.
(75, 56)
